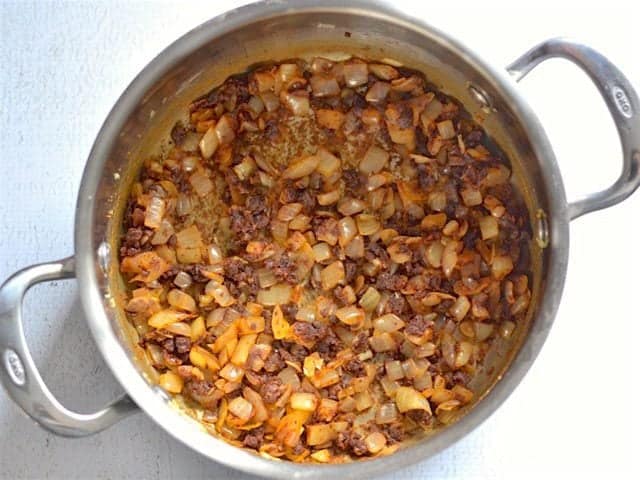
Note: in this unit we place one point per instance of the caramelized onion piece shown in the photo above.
(355, 74)
(374, 160)
(209, 143)
(302, 167)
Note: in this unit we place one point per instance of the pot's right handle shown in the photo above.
(621, 100)
(19, 374)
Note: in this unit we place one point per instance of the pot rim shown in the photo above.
(154, 401)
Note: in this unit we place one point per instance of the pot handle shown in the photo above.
(19, 374)
(622, 101)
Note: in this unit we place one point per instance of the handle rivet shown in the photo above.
(481, 97)
(104, 257)
(541, 229)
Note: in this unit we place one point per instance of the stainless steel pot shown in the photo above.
(277, 30)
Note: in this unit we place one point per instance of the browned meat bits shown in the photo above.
(320, 263)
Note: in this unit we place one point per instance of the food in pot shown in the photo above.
(320, 262)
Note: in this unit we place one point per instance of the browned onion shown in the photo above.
(355, 74)
(324, 86)
(378, 92)
(374, 160)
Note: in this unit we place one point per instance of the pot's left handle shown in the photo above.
(19, 374)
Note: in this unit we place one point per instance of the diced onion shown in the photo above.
(402, 136)
(389, 322)
(278, 294)
(374, 160)
(399, 252)
(488, 227)
(319, 65)
(460, 308)
(506, 329)
(214, 254)
(270, 100)
(165, 317)
(496, 176)
(434, 221)
(279, 325)
(437, 201)
(389, 386)
(241, 408)
(482, 331)
(363, 400)
(370, 299)
(163, 233)
(350, 206)
(220, 293)
(241, 352)
(394, 369)
(324, 86)
(232, 372)
(384, 72)
(347, 230)
(301, 168)
(171, 382)
(408, 398)
(501, 267)
(463, 354)
(347, 404)
(245, 168)
(382, 342)
(350, 315)
(367, 224)
(433, 254)
(430, 113)
(325, 378)
(260, 410)
(182, 280)
(287, 72)
(306, 314)
(154, 213)
(183, 205)
(332, 275)
(201, 183)
(256, 104)
(321, 252)
(289, 211)
(375, 442)
(446, 129)
(264, 81)
(307, 402)
(297, 102)
(471, 196)
(387, 413)
(449, 258)
(378, 92)
(355, 248)
(224, 130)
(209, 143)
(355, 74)
(328, 164)
(180, 300)
(371, 118)
(328, 198)
(331, 119)
(179, 328)
(318, 434)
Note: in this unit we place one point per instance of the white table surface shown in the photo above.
(63, 65)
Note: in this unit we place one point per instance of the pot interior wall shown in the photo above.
(306, 34)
